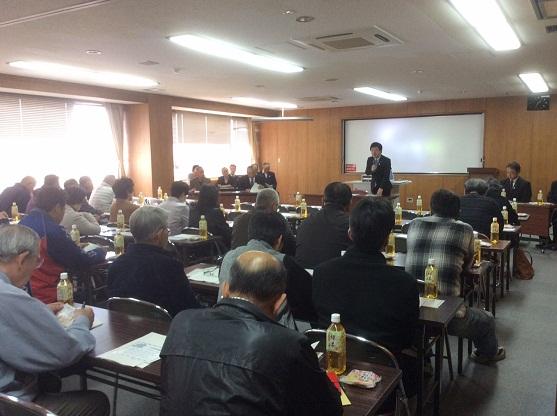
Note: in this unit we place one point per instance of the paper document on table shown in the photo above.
(184, 237)
(310, 271)
(138, 353)
(66, 317)
(508, 228)
(431, 303)
(208, 274)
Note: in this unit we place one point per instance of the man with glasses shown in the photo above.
(147, 271)
(33, 341)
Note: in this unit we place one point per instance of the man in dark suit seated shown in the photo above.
(477, 209)
(324, 235)
(146, 271)
(516, 186)
(494, 192)
(267, 201)
(375, 300)
(226, 179)
(20, 193)
(266, 177)
(235, 359)
(199, 179)
(379, 167)
(245, 183)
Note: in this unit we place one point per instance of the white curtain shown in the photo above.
(253, 135)
(116, 117)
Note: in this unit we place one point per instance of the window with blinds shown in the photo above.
(211, 141)
(49, 135)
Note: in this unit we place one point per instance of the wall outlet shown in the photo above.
(409, 200)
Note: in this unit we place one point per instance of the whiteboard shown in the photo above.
(433, 144)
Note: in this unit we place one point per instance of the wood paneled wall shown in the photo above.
(308, 155)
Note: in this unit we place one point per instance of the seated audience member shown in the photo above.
(477, 209)
(257, 367)
(85, 207)
(267, 201)
(101, 198)
(494, 192)
(451, 243)
(86, 184)
(266, 233)
(266, 177)
(208, 205)
(20, 193)
(70, 183)
(375, 300)
(33, 341)
(516, 186)
(199, 179)
(232, 169)
(123, 193)
(552, 197)
(177, 208)
(245, 183)
(50, 181)
(57, 249)
(226, 179)
(84, 221)
(192, 174)
(146, 271)
(324, 235)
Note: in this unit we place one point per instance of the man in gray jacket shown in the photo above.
(33, 341)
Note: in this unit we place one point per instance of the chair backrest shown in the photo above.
(11, 406)
(232, 215)
(358, 348)
(246, 206)
(138, 307)
(408, 215)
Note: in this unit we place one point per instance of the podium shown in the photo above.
(363, 188)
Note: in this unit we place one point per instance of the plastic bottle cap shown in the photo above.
(494, 219)
(475, 234)
(203, 217)
(335, 318)
(431, 262)
(119, 211)
(74, 226)
(419, 197)
(504, 207)
(63, 275)
(514, 199)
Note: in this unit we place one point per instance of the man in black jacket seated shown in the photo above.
(374, 300)
(477, 209)
(146, 271)
(257, 367)
(267, 201)
(324, 235)
(494, 192)
(516, 186)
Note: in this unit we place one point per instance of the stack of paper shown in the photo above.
(184, 237)
(431, 303)
(208, 274)
(138, 353)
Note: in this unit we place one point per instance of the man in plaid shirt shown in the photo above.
(451, 243)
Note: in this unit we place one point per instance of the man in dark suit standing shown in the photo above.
(266, 177)
(379, 167)
(516, 186)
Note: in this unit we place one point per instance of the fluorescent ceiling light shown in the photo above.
(235, 53)
(74, 73)
(534, 81)
(380, 94)
(488, 19)
(263, 103)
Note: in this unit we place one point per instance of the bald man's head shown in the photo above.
(257, 276)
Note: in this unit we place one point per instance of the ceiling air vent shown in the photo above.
(551, 29)
(368, 38)
(545, 9)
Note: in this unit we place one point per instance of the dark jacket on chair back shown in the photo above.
(478, 211)
(234, 360)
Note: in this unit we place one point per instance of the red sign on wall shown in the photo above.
(349, 167)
